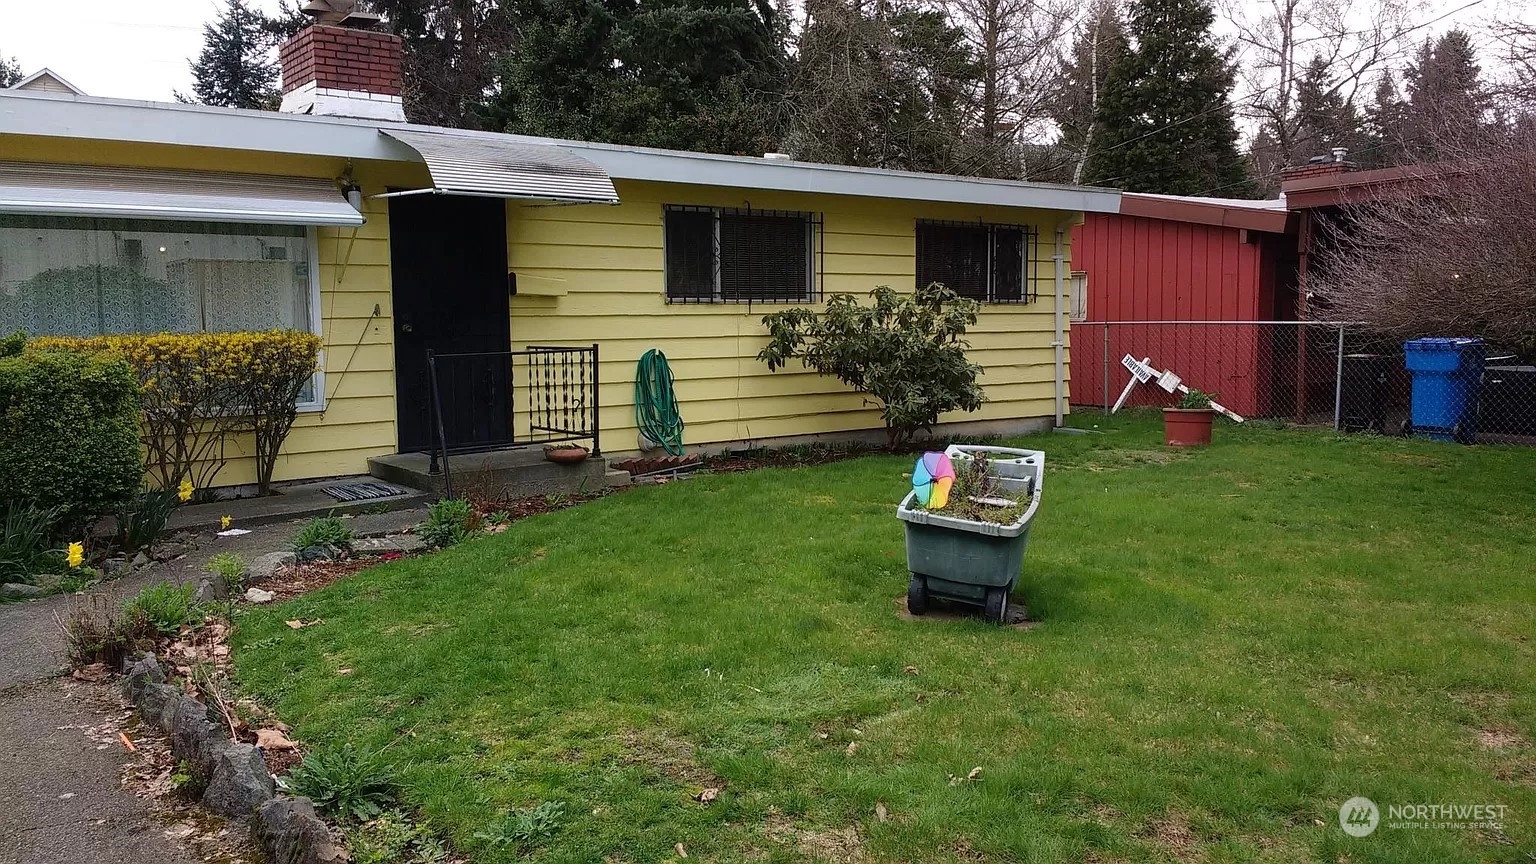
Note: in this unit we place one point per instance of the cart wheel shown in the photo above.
(997, 605)
(917, 595)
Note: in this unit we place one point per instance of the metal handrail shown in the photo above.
(563, 385)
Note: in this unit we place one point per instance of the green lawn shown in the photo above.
(1231, 643)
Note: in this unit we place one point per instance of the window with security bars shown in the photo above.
(987, 263)
(716, 255)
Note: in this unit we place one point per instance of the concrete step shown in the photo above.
(293, 501)
(498, 475)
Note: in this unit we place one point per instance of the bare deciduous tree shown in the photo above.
(1016, 45)
(1516, 40)
(1450, 253)
(1354, 40)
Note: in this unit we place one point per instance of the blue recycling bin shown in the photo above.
(1447, 376)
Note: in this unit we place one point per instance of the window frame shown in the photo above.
(312, 290)
(316, 321)
(814, 225)
(1077, 295)
(1028, 242)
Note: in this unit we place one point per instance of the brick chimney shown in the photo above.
(342, 72)
(1320, 166)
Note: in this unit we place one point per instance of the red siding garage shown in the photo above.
(1166, 259)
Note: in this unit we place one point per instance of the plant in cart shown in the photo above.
(967, 522)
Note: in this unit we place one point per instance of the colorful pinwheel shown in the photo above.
(931, 480)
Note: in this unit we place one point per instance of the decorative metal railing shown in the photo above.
(493, 400)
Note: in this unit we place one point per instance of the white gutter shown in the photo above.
(1060, 342)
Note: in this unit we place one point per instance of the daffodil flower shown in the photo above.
(226, 522)
(76, 554)
(185, 491)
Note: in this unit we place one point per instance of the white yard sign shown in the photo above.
(1142, 371)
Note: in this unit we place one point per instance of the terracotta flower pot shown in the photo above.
(566, 455)
(1187, 427)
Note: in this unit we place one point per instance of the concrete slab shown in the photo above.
(60, 790)
(302, 501)
(380, 524)
(505, 475)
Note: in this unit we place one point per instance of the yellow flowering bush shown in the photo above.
(198, 389)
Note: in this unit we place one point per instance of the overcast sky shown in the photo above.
(139, 49)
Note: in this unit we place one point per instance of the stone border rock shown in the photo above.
(238, 783)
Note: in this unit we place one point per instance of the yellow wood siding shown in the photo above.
(595, 274)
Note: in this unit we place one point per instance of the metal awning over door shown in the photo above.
(140, 193)
(495, 168)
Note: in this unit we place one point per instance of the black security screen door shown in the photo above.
(448, 257)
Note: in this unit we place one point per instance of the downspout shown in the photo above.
(1060, 342)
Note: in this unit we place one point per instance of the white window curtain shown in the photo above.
(71, 276)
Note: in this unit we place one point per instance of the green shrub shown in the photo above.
(13, 344)
(141, 522)
(905, 351)
(525, 828)
(449, 521)
(24, 547)
(326, 532)
(163, 609)
(394, 838)
(69, 434)
(228, 566)
(345, 783)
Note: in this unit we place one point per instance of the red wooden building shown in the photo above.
(1165, 259)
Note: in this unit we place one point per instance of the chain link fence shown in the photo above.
(1311, 373)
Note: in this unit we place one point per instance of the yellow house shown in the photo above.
(534, 273)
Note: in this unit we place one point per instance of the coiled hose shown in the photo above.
(656, 410)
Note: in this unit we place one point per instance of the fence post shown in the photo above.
(1105, 377)
(597, 408)
(1338, 384)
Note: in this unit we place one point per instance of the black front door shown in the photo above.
(448, 257)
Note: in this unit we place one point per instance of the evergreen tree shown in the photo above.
(1447, 103)
(10, 72)
(888, 86)
(1098, 44)
(1325, 119)
(452, 55)
(560, 80)
(681, 74)
(1164, 113)
(1385, 122)
(235, 68)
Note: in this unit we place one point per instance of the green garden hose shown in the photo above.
(656, 410)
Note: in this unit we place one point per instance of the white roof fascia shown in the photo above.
(267, 131)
